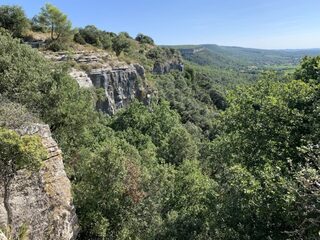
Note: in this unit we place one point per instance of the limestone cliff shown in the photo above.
(119, 84)
(120, 87)
(40, 201)
(168, 66)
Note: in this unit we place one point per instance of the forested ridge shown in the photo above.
(221, 154)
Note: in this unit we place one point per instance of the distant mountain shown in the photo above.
(243, 58)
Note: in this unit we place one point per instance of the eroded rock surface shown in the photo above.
(118, 83)
(40, 201)
(120, 86)
(166, 67)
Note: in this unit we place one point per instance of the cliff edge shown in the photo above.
(40, 202)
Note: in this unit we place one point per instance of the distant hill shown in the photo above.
(246, 59)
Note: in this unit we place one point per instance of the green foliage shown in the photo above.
(78, 38)
(56, 46)
(91, 35)
(161, 54)
(193, 96)
(179, 147)
(109, 176)
(22, 71)
(54, 21)
(309, 70)
(187, 213)
(200, 166)
(256, 156)
(247, 60)
(26, 77)
(14, 115)
(144, 39)
(18, 153)
(14, 19)
(121, 43)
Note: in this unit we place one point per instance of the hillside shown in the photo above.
(107, 136)
(245, 59)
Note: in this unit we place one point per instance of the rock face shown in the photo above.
(40, 201)
(81, 77)
(120, 86)
(163, 68)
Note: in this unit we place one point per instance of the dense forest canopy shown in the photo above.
(221, 155)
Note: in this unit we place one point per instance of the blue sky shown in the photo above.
(272, 24)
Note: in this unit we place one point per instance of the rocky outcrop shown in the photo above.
(117, 83)
(84, 57)
(40, 201)
(120, 87)
(165, 67)
(81, 77)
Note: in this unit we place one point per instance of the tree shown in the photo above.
(92, 35)
(257, 160)
(187, 214)
(111, 174)
(309, 69)
(178, 147)
(144, 39)
(14, 19)
(54, 21)
(121, 43)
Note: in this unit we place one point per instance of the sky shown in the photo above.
(268, 24)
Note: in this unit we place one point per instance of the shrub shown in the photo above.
(144, 39)
(121, 43)
(18, 152)
(56, 46)
(92, 35)
(14, 19)
(79, 39)
(14, 115)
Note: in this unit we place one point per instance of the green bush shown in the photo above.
(121, 43)
(14, 19)
(92, 35)
(56, 46)
(144, 39)
(14, 115)
(79, 39)
(18, 153)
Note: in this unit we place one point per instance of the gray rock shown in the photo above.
(121, 86)
(40, 201)
(163, 68)
(81, 77)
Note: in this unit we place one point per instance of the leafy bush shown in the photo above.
(14, 115)
(56, 46)
(92, 35)
(79, 39)
(121, 43)
(18, 153)
(144, 39)
(14, 19)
